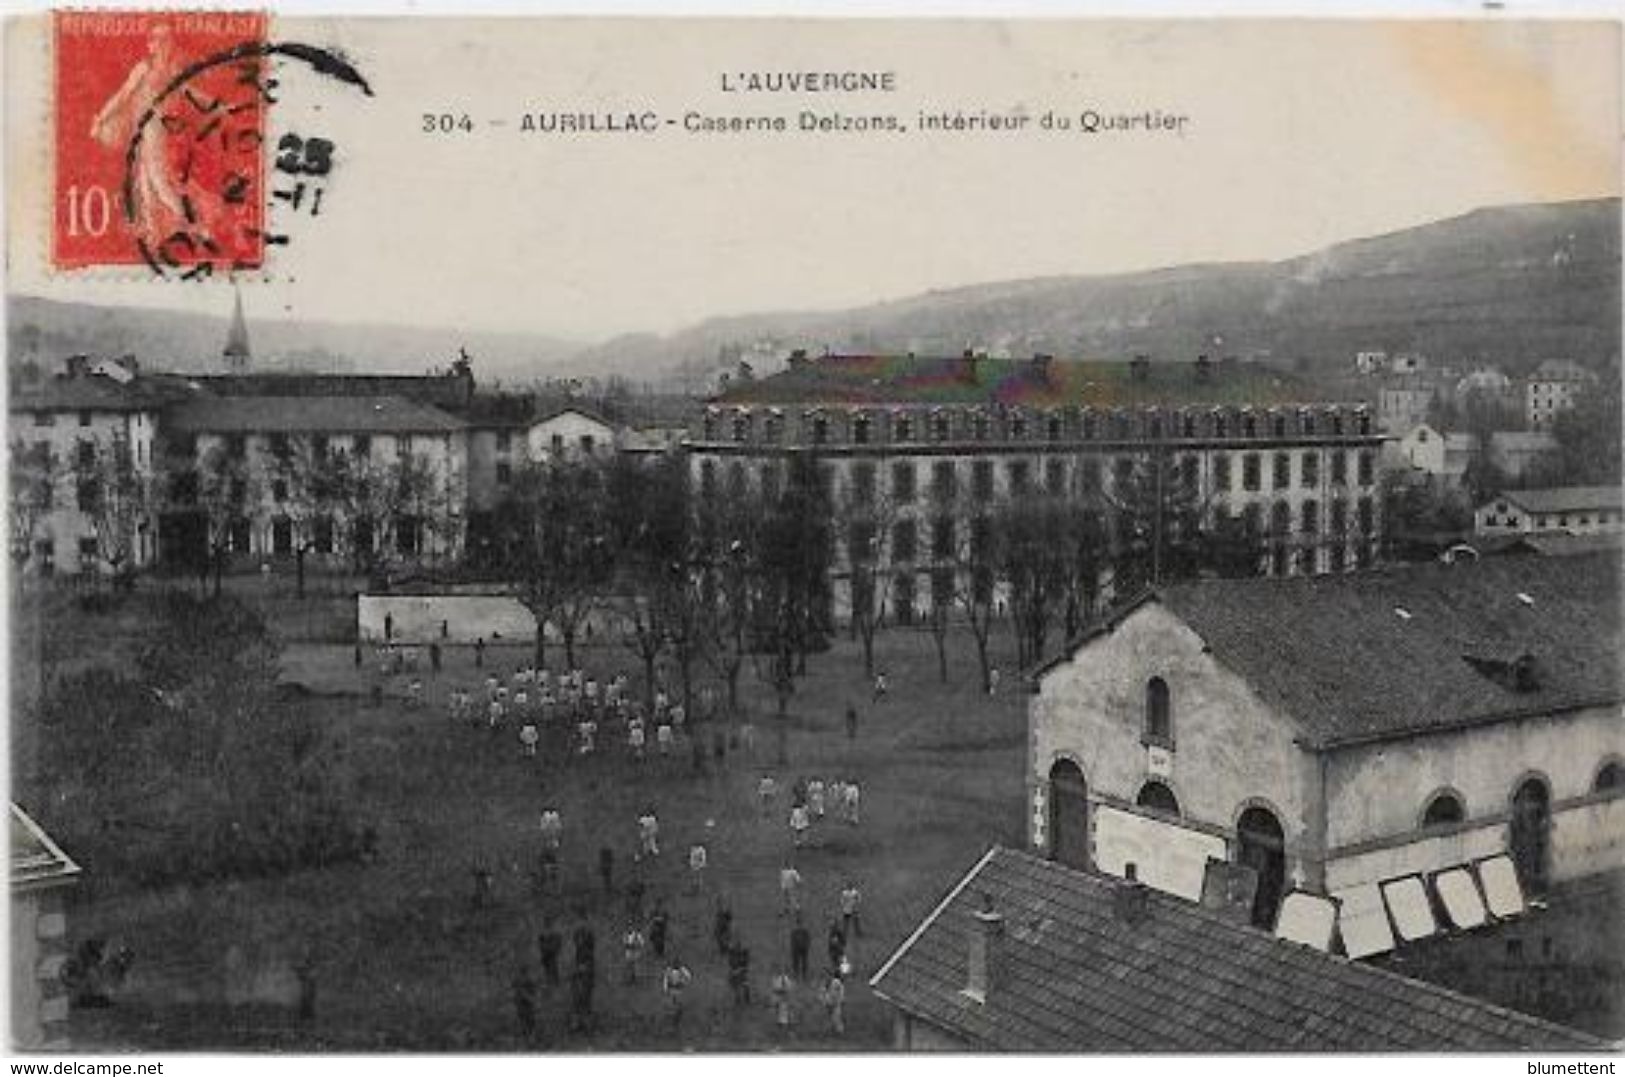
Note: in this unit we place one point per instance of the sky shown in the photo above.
(1297, 134)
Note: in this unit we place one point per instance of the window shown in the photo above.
(1088, 426)
(820, 430)
(863, 483)
(85, 454)
(1055, 477)
(557, 444)
(903, 428)
(504, 473)
(1309, 425)
(1311, 470)
(942, 538)
(1443, 809)
(44, 418)
(1187, 426)
(1311, 517)
(240, 534)
(1221, 426)
(84, 418)
(1157, 797)
(944, 481)
(1053, 428)
(363, 445)
(1159, 718)
(1340, 468)
(1610, 779)
(504, 441)
(279, 489)
(902, 481)
(587, 444)
(281, 536)
(1020, 480)
(981, 474)
(903, 598)
(88, 494)
(1278, 423)
(1249, 426)
(978, 427)
(87, 549)
(741, 427)
(1018, 427)
(904, 540)
(860, 541)
(280, 447)
(860, 430)
(1340, 517)
(1367, 514)
(1283, 470)
(408, 534)
(1221, 472)
(1280, 519)
(1249, 471)
(772, 429)
(939, 426)
(322, 534)
(710, 425)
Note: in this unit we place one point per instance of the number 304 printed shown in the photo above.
(446, 123)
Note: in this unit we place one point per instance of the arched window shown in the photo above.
(1158, 797)
(1610, 779)
(1444, 808)
(1159, 714)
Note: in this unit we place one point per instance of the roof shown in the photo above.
(1331, 653)
(91, 392)
(1564, 498)
(1070, 974)
(904, 379)
(442, 389)
(307, 414)
(549, 414)
(1333, 656)
(1561, 370)
(36, 861)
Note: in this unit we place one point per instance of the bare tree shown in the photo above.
(975, 586)
(35, 476)
(225, 491)
(865, 518)
(116, 499)
(558, 546)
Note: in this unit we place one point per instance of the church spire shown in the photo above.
(236, 351)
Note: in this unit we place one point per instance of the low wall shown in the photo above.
(448, 618)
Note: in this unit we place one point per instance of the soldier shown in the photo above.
(800, 947)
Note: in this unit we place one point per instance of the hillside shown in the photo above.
(1508, 285)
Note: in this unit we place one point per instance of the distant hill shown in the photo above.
(1509, 285)
(48, 330)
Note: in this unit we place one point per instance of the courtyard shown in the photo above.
(405, 956)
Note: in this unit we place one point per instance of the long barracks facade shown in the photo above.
(933, 445)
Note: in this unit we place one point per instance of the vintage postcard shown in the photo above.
(1065, 535)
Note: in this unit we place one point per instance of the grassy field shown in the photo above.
(403, 958)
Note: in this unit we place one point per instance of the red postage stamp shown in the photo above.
(160, 140)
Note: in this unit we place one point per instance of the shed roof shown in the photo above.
(1564, 498)
(1072, 974)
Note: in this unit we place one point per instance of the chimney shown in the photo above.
(1140, 368)
(971, 361)
(1204, 368)
(1130, 898)
(986, 927)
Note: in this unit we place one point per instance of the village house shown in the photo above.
(1334, 734)
(1577, 510)
(1026, 954)
(1552, 389)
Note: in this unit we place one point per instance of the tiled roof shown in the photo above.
(1564, 498)
(1332, 653)
(91, 392)
(903, 379)
(443, 390)
(1069, 973)
(36, 861)
(310, 414)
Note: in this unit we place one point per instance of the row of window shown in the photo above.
(407, 533)
(1020, 476)
(1056, 425)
